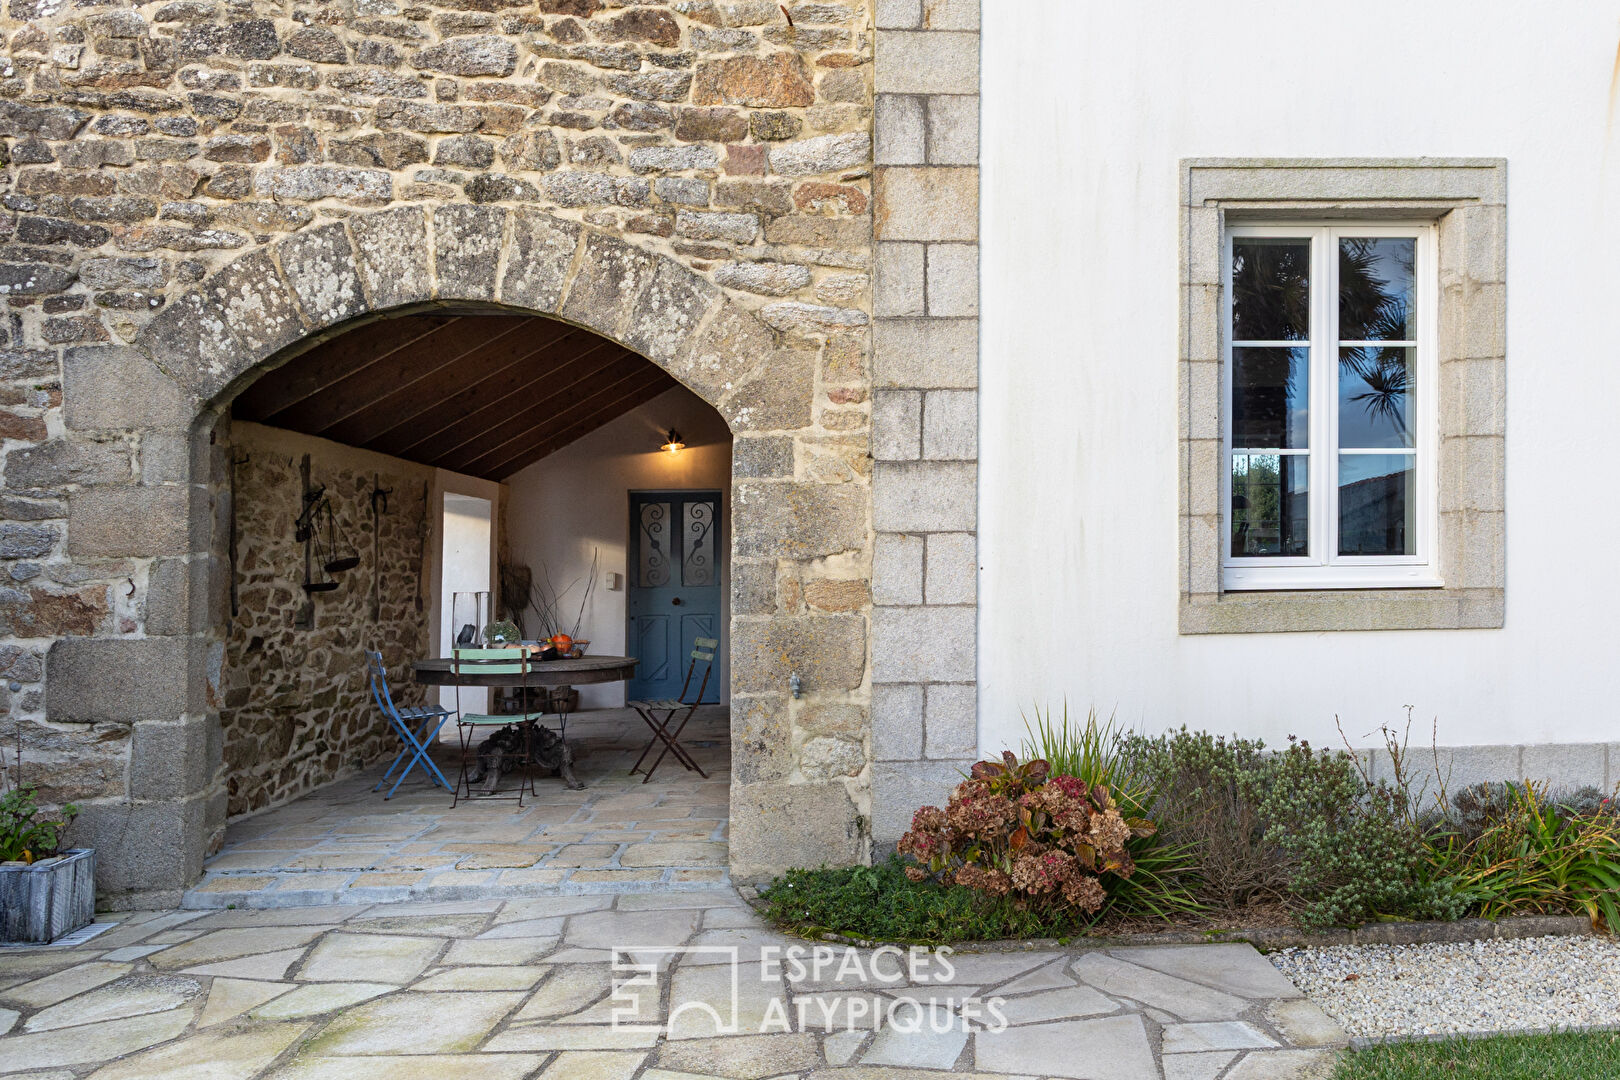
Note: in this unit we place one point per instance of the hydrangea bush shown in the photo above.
(1014, 829)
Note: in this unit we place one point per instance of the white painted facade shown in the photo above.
(1088, 107)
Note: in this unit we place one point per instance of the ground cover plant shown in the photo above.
(1530, 1057)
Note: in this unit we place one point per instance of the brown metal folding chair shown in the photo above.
(650, 711)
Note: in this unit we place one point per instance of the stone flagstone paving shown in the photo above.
(343, 844)
(525, 988)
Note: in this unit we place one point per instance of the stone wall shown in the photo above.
(196, 188)
(295, 708)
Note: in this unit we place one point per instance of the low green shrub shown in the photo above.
(1301, 826)
(1203, 801)
(25, 834)
(1354, 849)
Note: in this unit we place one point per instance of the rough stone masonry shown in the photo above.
(195, 190)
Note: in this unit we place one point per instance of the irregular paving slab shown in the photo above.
(379, 957)
(415, 1024)
(313, 999)
(8, 1019)
(248, 918)
(1054, 1005)
(64, 984)
(135, 995)
(502, 951)
(983, 969)
(133, 952)
(1112, 1048)
(841, 1046)
(270, 966)
(574, 1037)
(207, 1057)
(834, 1011)
(568, 990)
(1284, 1065)
(450, 926)
(1236, 968)
(527, 928)
(1053, 976)
(1221, 1035)
(742, 1057)
(630, 929)
(594, 1065)
(512, 977)
(674, 854)
(222, 945)
(1181, 998)
(695, 990)
(230, 998)
(551, 907)
(1303, 1023)
(930, 1039)
(415, 1067)
(92, 1042)
(1197, 1066)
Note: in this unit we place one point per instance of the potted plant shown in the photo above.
(46, 891)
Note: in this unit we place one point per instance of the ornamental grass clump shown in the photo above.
(1514, 849)
(1012, 829)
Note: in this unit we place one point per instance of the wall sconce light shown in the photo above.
(673, 443)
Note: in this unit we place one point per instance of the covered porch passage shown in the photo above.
(468, 468)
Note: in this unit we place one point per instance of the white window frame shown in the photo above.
(1324, 568)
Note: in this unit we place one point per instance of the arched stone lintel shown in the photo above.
(214, 339)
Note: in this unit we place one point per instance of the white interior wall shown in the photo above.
(1088, 106)
(561, 508)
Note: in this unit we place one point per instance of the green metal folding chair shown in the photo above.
(501, 662)
(660, 714)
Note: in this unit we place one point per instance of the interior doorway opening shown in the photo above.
(467, 555)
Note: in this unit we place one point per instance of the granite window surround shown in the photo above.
(1466, 199)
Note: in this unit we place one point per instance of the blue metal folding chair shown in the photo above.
(428, 718)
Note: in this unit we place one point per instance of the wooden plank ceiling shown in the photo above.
(484, 395)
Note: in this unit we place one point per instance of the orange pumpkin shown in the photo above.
(562, 643)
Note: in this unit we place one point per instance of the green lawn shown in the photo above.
(1532, 1057)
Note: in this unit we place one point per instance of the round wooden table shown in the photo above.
(586, 669)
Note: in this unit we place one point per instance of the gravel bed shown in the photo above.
(1448, 989)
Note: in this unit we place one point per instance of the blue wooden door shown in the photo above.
(674, 589)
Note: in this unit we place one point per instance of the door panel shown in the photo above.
(676, 548)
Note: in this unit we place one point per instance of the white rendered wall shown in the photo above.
(561, 507)
(1088, 106)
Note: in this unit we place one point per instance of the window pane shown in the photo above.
(1270, 497)
(656, 546)
(1375, 398)
(1376, 301)
(1377, 504)
(1271, 398)
(1271, 289)
(698, 568)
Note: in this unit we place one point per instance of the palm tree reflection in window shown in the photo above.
(1376, 276)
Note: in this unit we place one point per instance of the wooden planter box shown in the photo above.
(53, 897)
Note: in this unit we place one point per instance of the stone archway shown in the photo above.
(799, 534)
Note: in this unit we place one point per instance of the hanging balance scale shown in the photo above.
(333, 554)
